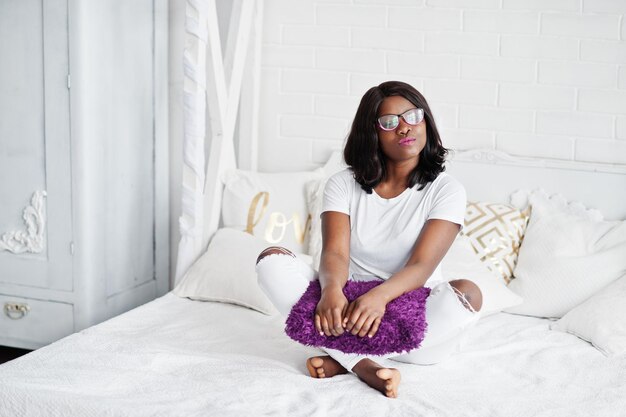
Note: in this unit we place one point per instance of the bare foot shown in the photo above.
(385, 380)
(324, 367)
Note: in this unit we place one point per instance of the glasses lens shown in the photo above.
(413, 116)
(388, 122)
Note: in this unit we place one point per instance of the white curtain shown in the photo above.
(213, 85)
(194, 97)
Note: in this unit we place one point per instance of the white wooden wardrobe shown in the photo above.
(83, 163)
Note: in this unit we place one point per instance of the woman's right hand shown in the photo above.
(329, 312)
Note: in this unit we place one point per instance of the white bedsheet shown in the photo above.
(176, 357)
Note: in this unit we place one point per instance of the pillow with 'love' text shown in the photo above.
(270, 206)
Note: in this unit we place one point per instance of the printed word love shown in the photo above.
(277, 224)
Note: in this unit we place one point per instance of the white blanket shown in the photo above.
(176, 357)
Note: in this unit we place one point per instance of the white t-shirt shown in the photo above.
(383, 231)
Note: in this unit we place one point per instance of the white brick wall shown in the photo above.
(347, 15)
(575, 124)
(604, 6)
(577, 74)
(536, 78)
(387, 39)
(537, 97)
(426, 19)
(460, 91)
(544, 146)
(350, 59)
(498, 69)
(424, 65)
(621, 83)
(500, 21)
(603, 26)
(539, 47)
(463, 139)
(602, 101)
(497, 119)
(461, 43)
(312, 35)
(360, 83)
(543, 5)
(603, 51)
(472, 4)
(611, 151)
(620, 128)
(314, 81)
(288, 56)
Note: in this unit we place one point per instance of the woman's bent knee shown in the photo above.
(468, 292)
(282, 277)
(274, 250)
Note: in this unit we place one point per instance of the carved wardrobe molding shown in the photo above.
(32, 239)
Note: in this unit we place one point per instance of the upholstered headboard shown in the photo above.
(493, 176)
(487, 176)
(490, 175)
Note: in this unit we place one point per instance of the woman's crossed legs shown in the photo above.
(450, 311)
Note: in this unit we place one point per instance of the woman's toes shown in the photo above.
(384, 373)
(324, 367)
(317, 362)
(315, 367)
(312, 369)
(392, 381)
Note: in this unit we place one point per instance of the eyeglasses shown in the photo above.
(391, 121)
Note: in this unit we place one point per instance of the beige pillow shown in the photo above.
(226, 272)
(496, 231)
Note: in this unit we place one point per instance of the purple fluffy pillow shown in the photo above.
(401, 329)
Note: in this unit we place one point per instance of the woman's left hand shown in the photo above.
(364, 314)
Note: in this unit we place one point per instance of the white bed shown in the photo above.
(175, 357)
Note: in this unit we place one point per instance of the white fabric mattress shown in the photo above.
(176, 357)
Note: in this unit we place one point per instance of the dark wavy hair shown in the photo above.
(363, 154)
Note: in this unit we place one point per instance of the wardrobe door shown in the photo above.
(35, 174)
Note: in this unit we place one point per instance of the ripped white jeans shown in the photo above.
(284, 278)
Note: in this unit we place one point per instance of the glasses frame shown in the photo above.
(398, 116)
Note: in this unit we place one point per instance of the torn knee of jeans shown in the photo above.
(274, 250)
(464, 299)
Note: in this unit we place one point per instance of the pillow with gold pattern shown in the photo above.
(270, 206)
(496, 231)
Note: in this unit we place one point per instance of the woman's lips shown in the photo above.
(406, 141)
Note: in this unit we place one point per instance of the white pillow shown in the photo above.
(461, 262)
(271, 206)
(315, 200)
(566, 256)
(521, 199)
(226, 272)
(600, 320)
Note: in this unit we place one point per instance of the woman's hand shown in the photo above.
(330, 311)
(364, 314)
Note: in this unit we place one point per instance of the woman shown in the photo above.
(392, 215)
